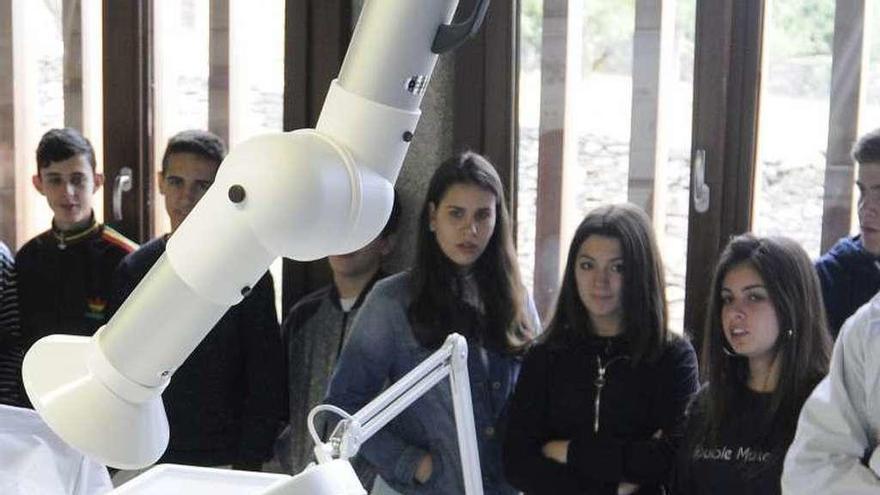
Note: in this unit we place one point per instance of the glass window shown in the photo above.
(180, 49)
(603, 128)
(39, 62)
(793, 125)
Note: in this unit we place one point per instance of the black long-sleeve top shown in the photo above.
(225, 402)
(555, 399)
(745, 458)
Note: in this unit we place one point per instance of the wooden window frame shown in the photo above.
(727, 80)
(128, 112)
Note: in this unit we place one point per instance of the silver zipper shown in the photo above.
(599, 382)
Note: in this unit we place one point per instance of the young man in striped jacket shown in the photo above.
(11, 351)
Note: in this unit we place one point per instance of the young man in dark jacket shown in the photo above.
(65, 273)
(313, 334)
(225, 403)
(850, 270)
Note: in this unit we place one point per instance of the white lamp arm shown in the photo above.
(450, 360)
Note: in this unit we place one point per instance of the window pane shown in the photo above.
(531, 16)
(793, 125)
(869, 117)
(679, 116)
(181, 74)
(39, 57)
(257, 68)
(604, 101)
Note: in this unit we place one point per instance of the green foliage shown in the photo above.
(532, 15)
(608, 31)
(797, 29)
(685, 21)
(800, 28)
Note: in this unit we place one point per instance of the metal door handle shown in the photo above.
(699, 189)
(121, 184)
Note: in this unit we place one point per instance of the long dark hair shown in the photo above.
(437, 306)
(803, 353)
(644, 299)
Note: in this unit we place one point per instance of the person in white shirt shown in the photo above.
(34, 460)
(835, 447)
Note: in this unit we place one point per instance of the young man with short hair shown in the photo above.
(225, 403)
(65, 273)
(314, 332)
(850, 271)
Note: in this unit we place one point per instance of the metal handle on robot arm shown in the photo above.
(303, 195)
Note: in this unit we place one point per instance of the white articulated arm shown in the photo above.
(303, 195)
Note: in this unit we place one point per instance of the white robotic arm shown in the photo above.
(302, 195)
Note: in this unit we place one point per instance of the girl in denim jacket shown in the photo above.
(465, 280)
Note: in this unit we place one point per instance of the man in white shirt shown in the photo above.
(835, 447)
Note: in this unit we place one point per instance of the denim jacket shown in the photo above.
(381, 350)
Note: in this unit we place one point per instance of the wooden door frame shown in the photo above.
(727, 81)
(128, 112)
(316, 37)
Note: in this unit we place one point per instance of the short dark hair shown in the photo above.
(58, 145)
(393, 220)
(645, 313)
(867, 148)
(198, 142)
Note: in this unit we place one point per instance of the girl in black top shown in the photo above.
(599, 406)
(766, 346)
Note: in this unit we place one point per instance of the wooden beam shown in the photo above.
(82, 74)
(71, 34)
(727, 77)
(557, 145)
(848, 67)
(653, 62)
(92, 77)
(218, 68)
(7, 128)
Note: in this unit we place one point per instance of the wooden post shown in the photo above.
(847, 83)
(653, 61)
(71, 33)
(7, 128)
(218, 70)
(557, 145)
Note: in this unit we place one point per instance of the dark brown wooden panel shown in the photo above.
(317, 33)
(218, 69)
(727, 76)
(848, 69)
(486, 106)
